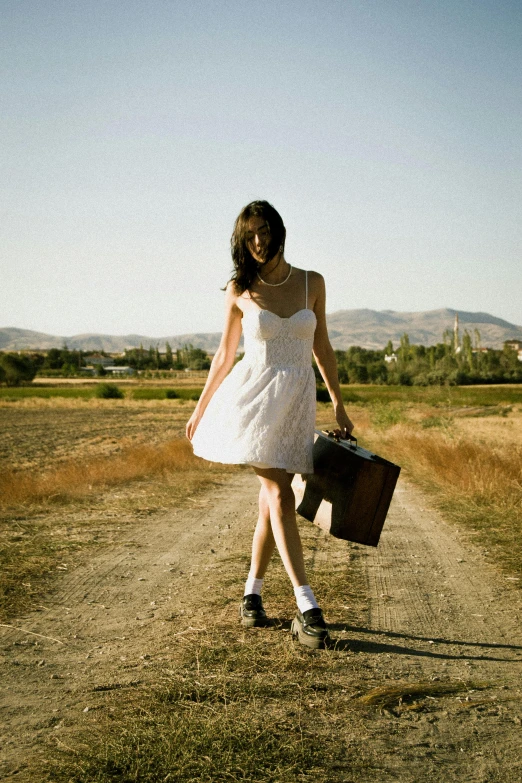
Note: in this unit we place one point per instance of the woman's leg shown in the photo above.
(276, 490)
(251, 610)
(279, 497)
(263, 543)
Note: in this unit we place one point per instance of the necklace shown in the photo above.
(276, 284)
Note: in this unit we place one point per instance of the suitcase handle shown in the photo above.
(338, 439)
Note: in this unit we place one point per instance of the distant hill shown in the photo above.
(366, 328)
(23, 339)
(373, 329)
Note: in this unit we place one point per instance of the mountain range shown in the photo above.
(366, 328)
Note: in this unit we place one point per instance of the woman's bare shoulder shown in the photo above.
(315, 280)
(234, 300)
(312, 276)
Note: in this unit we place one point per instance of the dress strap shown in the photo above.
(306, 289)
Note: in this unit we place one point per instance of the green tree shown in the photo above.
(404, 351)
(53, 360)
(168, 356)
(467, 349)
(198, 359)
(16, 369)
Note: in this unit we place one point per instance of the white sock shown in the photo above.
(305, 598)
(253, 586)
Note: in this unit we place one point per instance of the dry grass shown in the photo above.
(40, 543)
(476, 484)
(397, 694)
(81, 474)
(230, 705)
(215, 718)
(468, 457)
(74, 478)
(467, 466)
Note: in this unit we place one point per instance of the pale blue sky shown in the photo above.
(387, 134)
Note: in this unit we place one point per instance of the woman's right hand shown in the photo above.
(192, 424)
(222, 362)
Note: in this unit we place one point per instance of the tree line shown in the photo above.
(186, 358)
(19, 368)
(435, 365)
(449, 362)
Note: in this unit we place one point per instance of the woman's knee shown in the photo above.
(281, 495)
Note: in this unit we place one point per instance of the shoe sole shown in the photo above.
(315, 643)
(252, 622)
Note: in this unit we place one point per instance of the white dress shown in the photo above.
(263, 413)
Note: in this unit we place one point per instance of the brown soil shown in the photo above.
(43, 434)
(434, 611)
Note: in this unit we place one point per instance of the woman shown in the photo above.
(263, 412)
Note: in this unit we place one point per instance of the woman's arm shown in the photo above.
(325, 356)
(223, 359)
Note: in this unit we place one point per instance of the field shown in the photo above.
(82, 476)
(74, 472)
(61, 455)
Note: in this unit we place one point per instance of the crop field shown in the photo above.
(39, 433)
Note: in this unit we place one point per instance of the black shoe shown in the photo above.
(310, 628)
(252, 613)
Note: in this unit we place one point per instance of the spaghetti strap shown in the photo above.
(306, 289)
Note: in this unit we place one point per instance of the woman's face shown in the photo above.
(258, 239)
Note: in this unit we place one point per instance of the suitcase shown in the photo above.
(349, 492)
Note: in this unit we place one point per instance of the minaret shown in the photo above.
(456, 334)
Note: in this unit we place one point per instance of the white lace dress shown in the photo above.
(263, 413)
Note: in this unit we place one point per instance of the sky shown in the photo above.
(387, 134)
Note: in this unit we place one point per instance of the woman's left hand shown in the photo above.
(345, 424)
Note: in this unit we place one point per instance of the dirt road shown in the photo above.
(436, 612)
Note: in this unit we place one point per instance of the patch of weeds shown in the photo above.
(148, 393)
(437, 422)
(160, 393)
(350, 396)
(397, 694)
(231, 710)
(45, 392)
(477, 412)
(193, 742)
(495, 525)
(109, 391)
(385, 416)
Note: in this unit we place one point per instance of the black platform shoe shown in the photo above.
(310, 628)
(252, 613)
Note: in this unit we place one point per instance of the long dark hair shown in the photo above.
(245, 265)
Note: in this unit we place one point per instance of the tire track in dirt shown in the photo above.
(426, 580)
(115, 612)
(439, 612)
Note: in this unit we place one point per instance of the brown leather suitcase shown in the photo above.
(349, 492)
